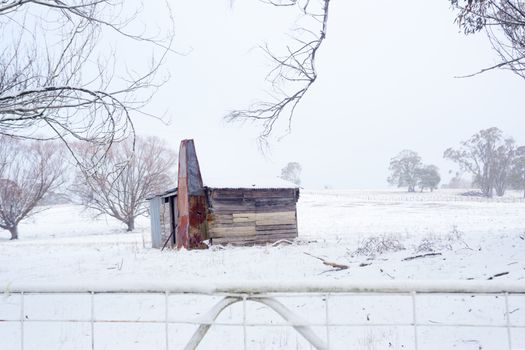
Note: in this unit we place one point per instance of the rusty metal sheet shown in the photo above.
(191, 200)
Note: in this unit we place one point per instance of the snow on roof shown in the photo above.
(262, 182)
(212, 182)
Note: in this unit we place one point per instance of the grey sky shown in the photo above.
(385, 84)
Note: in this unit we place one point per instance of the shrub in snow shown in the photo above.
(435, 243)
(377, 245)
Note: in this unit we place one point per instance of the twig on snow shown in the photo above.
(498, 275)
(420, 256)
(336, 266)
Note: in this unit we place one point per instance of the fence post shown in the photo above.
(22, 316)
(509, 335)
(414, 317)
(92, 320)
(244, 322)
(327, 320)
(166, 294)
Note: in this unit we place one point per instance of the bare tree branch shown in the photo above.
(57, 83)
(504, 24)
(294, 71)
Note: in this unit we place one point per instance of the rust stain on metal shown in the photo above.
(191, 199)
(198, 226)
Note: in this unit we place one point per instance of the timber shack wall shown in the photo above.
(240, 216)
(251, 215)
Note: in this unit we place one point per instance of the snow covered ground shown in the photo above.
(371, 231)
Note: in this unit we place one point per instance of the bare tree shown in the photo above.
(58, 79)
(292, 172)
(120, 183)
(404, 169)
(487, 156)
(29, 171)
(294, 71)
(504, 23)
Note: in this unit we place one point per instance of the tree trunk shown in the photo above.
(14, 232)
(500, 189)
(487, 192)
(131, 224)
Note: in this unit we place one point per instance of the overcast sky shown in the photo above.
(386, 83)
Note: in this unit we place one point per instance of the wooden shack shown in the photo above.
(251, 215)
(193, 215)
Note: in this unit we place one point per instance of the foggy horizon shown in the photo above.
(381, 88)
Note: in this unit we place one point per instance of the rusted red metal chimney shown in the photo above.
(191, 199)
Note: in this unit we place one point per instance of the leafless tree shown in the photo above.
(504, 23)
(57, 79)
(294, 71)
(120, 183)
(29, 170)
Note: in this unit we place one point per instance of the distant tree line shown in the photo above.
(495, 162)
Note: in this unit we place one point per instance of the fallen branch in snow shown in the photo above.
(420, 256)
(117, 266)
(386, 273)
(335, 265)
(282, 241)
(498, 275)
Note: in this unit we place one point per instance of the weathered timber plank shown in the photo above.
(225, 193)
(227, 225)
(229, 201)
(234, 206)
(274, 222)
(279, 193)
(275, 227)
(274, 209)
(277, 220)
(221, 217)
(277, 232)
(282, 214)
(274, 200)
(232, 231)
(251, 240)
(243, 221)
(261, 216)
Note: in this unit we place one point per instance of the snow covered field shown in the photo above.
(370, 231)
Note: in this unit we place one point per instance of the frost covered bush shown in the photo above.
(377, 245)
(434, 242)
